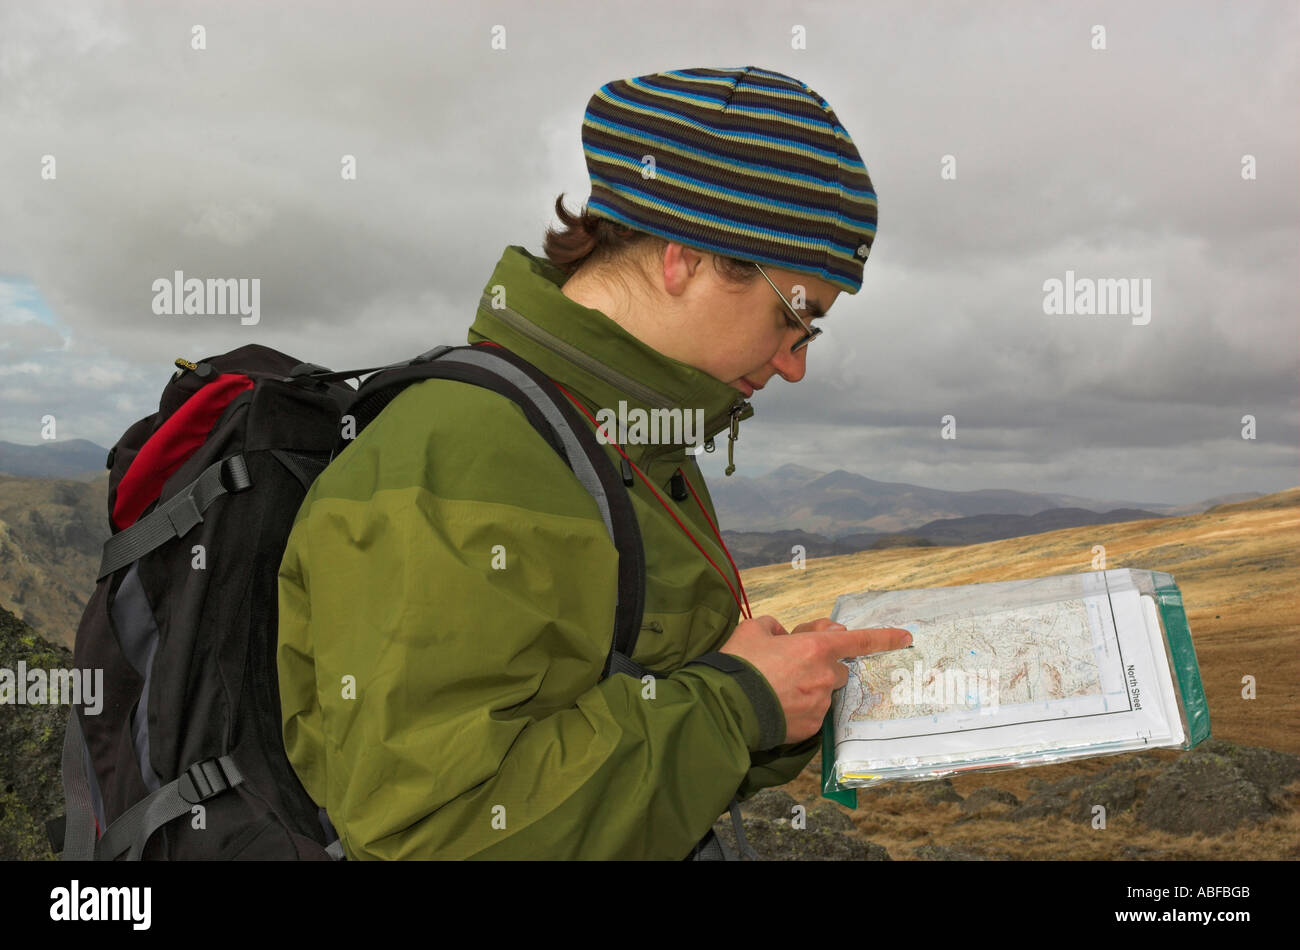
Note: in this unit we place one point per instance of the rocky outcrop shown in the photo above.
(1216, 787)
(778, 828)
(31, 743)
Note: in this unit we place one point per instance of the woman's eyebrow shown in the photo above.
(813, 307)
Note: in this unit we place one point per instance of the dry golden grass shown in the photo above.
(1238, 568)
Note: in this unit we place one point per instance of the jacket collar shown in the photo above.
(524, 310)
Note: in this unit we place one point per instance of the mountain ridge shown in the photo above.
(78, 459)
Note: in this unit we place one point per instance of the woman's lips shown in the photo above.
(745, 386)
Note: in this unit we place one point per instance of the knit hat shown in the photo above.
(747, 163)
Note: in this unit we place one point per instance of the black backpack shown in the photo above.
(185, 759)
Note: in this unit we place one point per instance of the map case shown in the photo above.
(1014, 673)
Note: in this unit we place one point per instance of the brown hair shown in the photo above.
(586, 239)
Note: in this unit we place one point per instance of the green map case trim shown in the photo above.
(1191, 692)
(830, 789)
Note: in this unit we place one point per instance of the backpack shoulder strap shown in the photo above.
(567, 432)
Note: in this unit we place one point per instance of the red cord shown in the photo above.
(745, 610)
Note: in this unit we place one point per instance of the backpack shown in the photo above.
(185, 759)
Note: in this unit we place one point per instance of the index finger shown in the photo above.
(867, 640)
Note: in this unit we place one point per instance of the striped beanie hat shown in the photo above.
(742, 162)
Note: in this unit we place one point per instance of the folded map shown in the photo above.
(1014, 673)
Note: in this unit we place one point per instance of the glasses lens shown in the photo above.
(812, 334)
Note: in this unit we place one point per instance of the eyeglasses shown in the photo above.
(809, 333)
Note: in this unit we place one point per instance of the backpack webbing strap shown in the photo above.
(619, 663)
(176, 516)
(79, 826)
(742, 843)
(132, 830)
(578, 460)
(713, 848)
(710, 848)
(594, 468)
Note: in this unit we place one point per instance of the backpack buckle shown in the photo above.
(204, 780)
(305, 369)
(234, 475)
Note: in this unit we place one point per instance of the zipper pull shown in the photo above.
(733, 436)
(677, 486)
(202, 370)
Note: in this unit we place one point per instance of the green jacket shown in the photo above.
(446, 604)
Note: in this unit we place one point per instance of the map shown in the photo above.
(1011, 673)
(963, 663)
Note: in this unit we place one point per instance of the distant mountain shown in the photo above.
(52, 533)
(73, 458)
(757, 548)
(838, 503)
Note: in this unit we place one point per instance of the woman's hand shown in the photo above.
(803, 667)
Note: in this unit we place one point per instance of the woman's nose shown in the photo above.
(791, 366)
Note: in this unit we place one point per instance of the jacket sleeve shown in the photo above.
(445, 612)
(773, 767)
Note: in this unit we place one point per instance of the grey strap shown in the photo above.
(747, 853)
(176, 516)
(133, 829)
(711, 848)
(79, 834)
(578, 460)
(335, 850)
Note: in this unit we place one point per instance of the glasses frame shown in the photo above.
(810, 333)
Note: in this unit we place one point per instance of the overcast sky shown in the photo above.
(1123, 162)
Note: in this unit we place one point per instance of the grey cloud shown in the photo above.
(1123, 162)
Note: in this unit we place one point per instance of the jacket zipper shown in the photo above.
(713, 425)
(598, 369)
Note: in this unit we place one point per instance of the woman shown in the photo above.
(447, 592)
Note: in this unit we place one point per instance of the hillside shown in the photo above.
(52, 533)
(1238, 567)
(31, 741)
(1235, 797)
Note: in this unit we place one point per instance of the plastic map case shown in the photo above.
(1011, 674)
